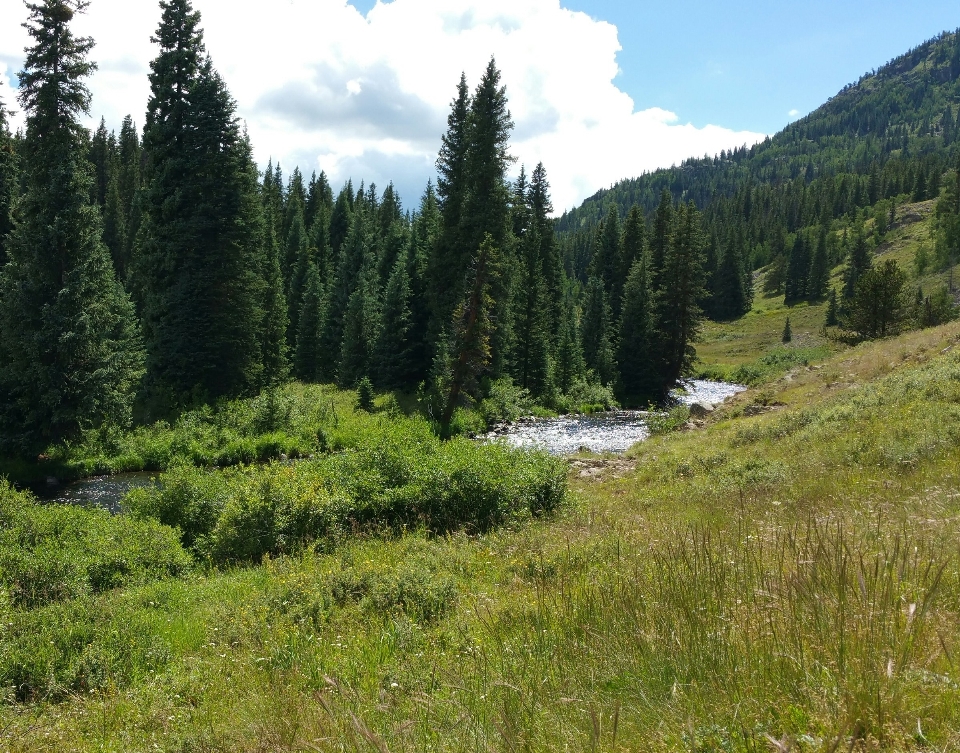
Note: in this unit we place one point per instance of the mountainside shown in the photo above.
(893, 132)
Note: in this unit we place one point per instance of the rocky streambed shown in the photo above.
(611, 432)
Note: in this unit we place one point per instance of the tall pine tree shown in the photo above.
(70, 352)
(9, 181)
(200, 247)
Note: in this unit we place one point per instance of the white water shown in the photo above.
(614, 432)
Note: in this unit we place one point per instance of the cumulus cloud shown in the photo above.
(793, 113)
(322, 86)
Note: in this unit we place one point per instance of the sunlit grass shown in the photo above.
(789, 578)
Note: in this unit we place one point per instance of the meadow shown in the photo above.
(784, 578)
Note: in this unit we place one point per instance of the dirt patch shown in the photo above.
(601, 469)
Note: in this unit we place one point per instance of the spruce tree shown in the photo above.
(819, 268)
(660, 239)
(200, 248)
(361, 326)
(541, 206)
(306, 364)
(570, 365)
(832, 318)
(606, 259)
(486, 206)
(637, 368)
(448, 261)
(298, 258)
(859, 261)
(787, 335)
(730, 297)
(273, 340)
(70, 352)
(531, 326)
(633, 245)
(595, 332)
(394, 349)
(423, 238)
(676, 303)
(798, 271)
(353, 257)
(9, 181)
(473, 331)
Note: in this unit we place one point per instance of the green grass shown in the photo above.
(790, 576)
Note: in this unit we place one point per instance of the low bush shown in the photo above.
(400, 476)
(52, 553)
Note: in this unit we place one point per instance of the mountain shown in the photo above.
(893, 132)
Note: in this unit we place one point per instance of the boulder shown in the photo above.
(701, 410)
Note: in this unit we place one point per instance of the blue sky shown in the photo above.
(746, 65)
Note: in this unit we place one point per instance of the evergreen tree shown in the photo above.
(637, 368)
(306, 365)
(541, 206)
(9, 182)
(660, 239)
(115, 225)
(633, 245)
(859, 261)
(447, 265)
(200, 248)
(361, 326)
(486, 206)
(787, 335)
(832, 318)
(606, 259)
(730, 297)
(394, 350)
(531, 326)
(341, 219)
(353, 257)
(819, 268)
(595, 332)
(100, 157)
(423, 238)
(878, 306)
(298, 259)
(798, 271)
(70, 352)
(676, 303)
(570, 364)
(276, 362)
(472, 331)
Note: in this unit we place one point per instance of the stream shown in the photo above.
(99, 491)
(612, 432)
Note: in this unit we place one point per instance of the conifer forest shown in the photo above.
(325, 539)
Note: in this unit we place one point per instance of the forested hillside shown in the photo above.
(890, 138)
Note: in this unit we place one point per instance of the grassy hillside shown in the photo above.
(784, 579)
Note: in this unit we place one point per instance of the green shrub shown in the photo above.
(505, 402)
(587, 397)
(51, 553)
(401, 475)
(663, 423)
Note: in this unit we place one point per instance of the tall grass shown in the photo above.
(787, 581)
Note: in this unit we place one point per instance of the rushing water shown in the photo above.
(101, 491)
(613, 432)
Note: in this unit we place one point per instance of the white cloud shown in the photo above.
(321, 86)
(793, 113)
